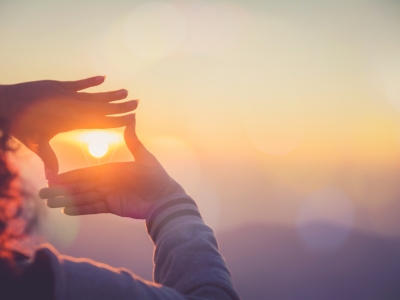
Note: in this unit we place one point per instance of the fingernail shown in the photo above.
(100, 78)
(131, 104)
(49, 174)
(121, 93)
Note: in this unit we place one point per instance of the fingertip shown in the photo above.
(49, 174)
(100, 79)
(42, 194)
(52, 183)
(69, 211)
(121, 94)
(130, 129)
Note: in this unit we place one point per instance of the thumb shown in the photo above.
(139, 152)
(49, 158)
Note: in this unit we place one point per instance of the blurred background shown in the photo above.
(280, 118)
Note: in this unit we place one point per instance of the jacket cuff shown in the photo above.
(177, 208)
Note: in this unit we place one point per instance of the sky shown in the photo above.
(278, 112)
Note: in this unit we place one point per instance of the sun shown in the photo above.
(99, 141)
(98, 149)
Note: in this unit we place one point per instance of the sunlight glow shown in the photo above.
(98, 149)
(98, 141)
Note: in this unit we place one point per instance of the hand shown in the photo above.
(37, 111)
(126, 189)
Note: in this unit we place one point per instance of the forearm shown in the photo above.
(6, 105)
(2, 100)
(187, 257)
(3, 89)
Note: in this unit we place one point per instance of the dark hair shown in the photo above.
(17, 216)
(16, 283)
(10, 201)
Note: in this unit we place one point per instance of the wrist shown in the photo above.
(167, 210)
(2, 87)
(2, 101)
(10, 100)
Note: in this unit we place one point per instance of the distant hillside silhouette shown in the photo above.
(273, 263)
(267, 262)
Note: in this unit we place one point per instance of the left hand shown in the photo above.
(126, 189)
(38, 111)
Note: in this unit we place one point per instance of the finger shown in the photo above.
(101, 122)
(49, 158)
(103, 97)
(78, 175)
(82, 84)
(138, 150)
(106, 108)
(75, 200)
(96, 208)
(66, 189)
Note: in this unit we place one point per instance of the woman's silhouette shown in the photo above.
(188, 264)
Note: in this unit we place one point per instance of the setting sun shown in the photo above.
(98, 149)
(98, 142)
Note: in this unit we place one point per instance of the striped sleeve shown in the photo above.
(168, 210)
(186, 256)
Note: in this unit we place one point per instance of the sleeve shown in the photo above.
(188, 265)
(186, 257)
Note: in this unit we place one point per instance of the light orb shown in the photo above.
(98, 149)
(98, 143)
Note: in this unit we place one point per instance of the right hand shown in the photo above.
(37, 111)
(126, 189)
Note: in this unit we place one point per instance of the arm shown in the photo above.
(187, 260)
(186, 256)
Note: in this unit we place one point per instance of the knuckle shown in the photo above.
(73, 85)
